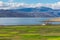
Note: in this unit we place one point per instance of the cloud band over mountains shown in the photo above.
(15, 5)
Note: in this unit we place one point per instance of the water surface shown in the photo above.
(21, 21)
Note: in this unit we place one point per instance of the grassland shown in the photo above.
(30, 32)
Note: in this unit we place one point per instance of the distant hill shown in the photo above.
(30, 12)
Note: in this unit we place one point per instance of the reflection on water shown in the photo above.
(21, 21)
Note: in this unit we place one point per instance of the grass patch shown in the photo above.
(30, 32)
(53, 37)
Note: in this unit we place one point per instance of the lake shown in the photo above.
(21, 21)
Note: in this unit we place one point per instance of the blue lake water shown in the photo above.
(21, 21)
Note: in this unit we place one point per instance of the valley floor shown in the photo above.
(30, 32)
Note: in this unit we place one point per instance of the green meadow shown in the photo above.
(30, 32)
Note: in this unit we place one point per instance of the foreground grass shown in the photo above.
(30, 32)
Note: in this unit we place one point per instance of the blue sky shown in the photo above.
(34, 1)
(55, 4)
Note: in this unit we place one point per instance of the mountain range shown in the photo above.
(30, 12)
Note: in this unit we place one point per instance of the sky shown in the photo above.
(33, 1)
(9, 4)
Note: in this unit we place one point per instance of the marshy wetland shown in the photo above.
(30, 32)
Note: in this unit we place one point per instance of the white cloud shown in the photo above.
(12, 5)
(1, 3)
(56, 5)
